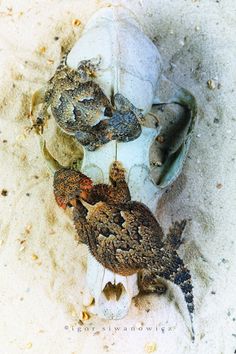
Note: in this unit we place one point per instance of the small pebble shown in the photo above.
(4, 192)
(216, 120)
(139, 324)
(35, 257)
(22, 248)
(50, 61)
(76, 22)
(160, 139)
(73, 313)
(29, 345)
(219, 185)
(42, 50)
(28, 229)
(150, 347)
(85, 316)
(211, 84)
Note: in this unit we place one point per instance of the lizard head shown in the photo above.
(69, 185)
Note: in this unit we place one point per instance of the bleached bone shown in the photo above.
(129, 64)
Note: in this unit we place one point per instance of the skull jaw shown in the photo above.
(112, 293)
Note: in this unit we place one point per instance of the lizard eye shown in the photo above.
(118, 219)
(105, 231)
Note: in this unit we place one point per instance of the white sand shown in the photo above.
(42, 270)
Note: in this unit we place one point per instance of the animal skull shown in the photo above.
(128, 64)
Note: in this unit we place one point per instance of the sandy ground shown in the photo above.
(41, 268)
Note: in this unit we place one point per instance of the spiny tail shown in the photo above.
(171, 267)
(174, 236)
(183, 279)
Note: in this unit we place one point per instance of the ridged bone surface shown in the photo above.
(129, 62)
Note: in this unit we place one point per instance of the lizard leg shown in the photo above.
(41, 96)
(83, 228)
